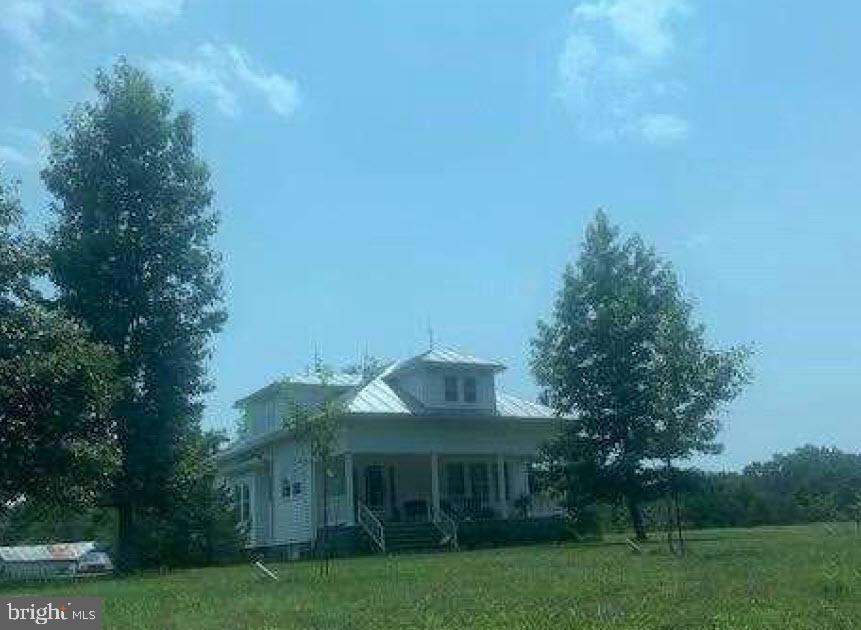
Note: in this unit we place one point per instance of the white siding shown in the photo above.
(268, 414)
(294, 520)
(435, 388)
(427, 385)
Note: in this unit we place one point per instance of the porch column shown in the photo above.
(348, 488)
(500, 486)
(434, 485)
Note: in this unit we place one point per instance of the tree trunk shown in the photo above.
(679, 520)
(127, 556)
(668, 495)
(324, 559)
(637, 521)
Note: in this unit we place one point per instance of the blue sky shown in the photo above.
(383, 165)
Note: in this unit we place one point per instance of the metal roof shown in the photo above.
(448, 356)
(519, 408)
(379, 397)
(46, 553)
(330, 380)
(333, 380)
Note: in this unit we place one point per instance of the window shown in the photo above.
(450, 389)
(285, 488)
(469, 389)
(297, 488)
(454, 479)
(479, 480)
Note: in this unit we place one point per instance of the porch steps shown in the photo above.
(402, 537)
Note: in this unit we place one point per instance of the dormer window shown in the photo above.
(469, 389)
(451, 389)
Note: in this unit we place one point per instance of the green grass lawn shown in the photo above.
(766, 579)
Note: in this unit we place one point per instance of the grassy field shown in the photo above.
(765, 579)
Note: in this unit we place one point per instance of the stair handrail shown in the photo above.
(446, 525)
(373, 526)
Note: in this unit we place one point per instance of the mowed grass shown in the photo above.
(764, 579)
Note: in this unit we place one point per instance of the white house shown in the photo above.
(429, 443)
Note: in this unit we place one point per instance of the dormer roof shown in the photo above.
(445, 357)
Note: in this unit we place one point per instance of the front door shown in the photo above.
(374, 488)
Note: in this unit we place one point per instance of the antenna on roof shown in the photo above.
(430, 336)
(318, 363)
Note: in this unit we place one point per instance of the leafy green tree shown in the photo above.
(33, 521)
(368, 368)
(197, 525)
(621, 356)
(131, 257)
(56, 386)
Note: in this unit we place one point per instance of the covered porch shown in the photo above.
(414, 488)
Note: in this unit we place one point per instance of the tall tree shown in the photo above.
(131, 256)
(620, 355)
(56, 386)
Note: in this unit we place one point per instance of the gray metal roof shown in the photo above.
(43, 553)
(330, 380)
(333, 380)
(379, 397)
(448, 356)
(512, 406)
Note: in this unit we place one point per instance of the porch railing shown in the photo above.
(447, 527)
(542, 505)
(477, 508)
(373, 526)
(472, 508)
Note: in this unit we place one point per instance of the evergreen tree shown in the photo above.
(622, 358)
(131, 256)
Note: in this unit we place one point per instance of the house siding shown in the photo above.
(485, 390)
(294, 517)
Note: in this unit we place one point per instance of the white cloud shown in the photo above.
(39, 30)
(614, 69)
(21, 22)
(222, 73)
(281, 93)
(12, 155)
(21, 146)
(197, 76)
(663, 128)
(145, 9)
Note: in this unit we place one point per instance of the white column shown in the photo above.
(348, 488)
(434, 485)
(500, 486)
